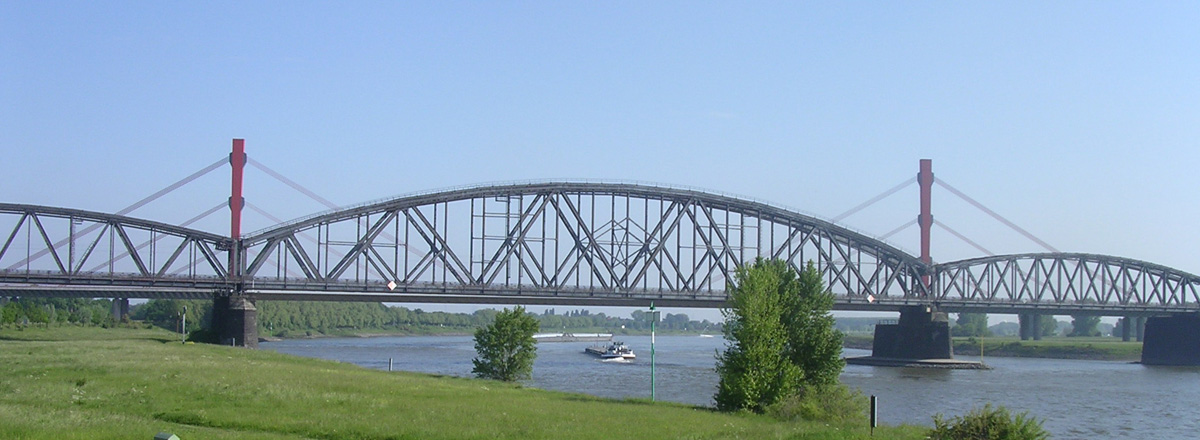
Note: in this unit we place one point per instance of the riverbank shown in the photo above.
(74, 382)
(1098, 348)
(453, 331)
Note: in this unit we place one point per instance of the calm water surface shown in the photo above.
(1077, 399)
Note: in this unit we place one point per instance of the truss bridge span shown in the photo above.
(567, 243)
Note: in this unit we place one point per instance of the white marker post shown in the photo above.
(183, 325)
(653, 320)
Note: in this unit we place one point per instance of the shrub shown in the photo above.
(204, 336)
(835, 403)
(989, 423)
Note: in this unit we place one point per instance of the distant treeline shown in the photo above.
(287, 318)
(300, 318)
(80, 311)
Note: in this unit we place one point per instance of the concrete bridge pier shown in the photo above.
(1031, 326)
(1133, 327)
(120, 308)
(921, 333)
(1172, 340)
(1027, 324)
(235, 320)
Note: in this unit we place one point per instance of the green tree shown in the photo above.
(1047, 325)
(780, 337)
(814, 344)
(506, 348)
(971, 324)
(1084, 325)
(755, 370)
(11, 313)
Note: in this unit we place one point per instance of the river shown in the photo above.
(1077, 399)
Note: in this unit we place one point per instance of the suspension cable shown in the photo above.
(1012, 225)
(875, 199)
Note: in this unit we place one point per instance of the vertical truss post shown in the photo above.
(925, 219)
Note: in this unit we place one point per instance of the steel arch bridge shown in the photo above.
(550, 243)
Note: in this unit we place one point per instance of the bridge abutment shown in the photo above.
(921, 333)
(235, 320)
(1172, 340)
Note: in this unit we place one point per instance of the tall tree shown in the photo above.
(755, 370)
(1084, 325)
(814, 344)
(506, 348)
(781, 336)
(1047, 325)
(971, 324)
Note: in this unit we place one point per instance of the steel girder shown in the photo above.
(1066, 282)
(567, 239)
(48, 245)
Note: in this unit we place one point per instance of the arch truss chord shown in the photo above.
(1080, 282)
(567, 240)
(47, 245)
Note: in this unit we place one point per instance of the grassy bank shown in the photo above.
(89, 383)
(1099, 348)
(1053, 348)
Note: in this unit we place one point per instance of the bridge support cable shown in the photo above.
(996, 216)
(898, 230)
(314, 196)
(905, 184)
(291, 183)
(964, 238)
(155, 239)
(126, 210)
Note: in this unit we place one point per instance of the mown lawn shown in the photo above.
(89, 383)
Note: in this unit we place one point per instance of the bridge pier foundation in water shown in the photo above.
(1172, 340)
(235, 320)
(920, 338)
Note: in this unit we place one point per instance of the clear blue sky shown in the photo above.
(1078, 121)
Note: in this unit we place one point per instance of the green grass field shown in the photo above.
(1096, 348)
(90, 383)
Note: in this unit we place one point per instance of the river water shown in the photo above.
(1076, 399)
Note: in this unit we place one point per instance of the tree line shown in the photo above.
(82, 311)
(298, 318)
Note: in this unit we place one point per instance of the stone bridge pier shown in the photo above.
(235, 320)
(921, 333)
(1172, 340)
(120, 308)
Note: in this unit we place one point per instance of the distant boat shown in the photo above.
(611, 351)
(572, 337)
(706, 336)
